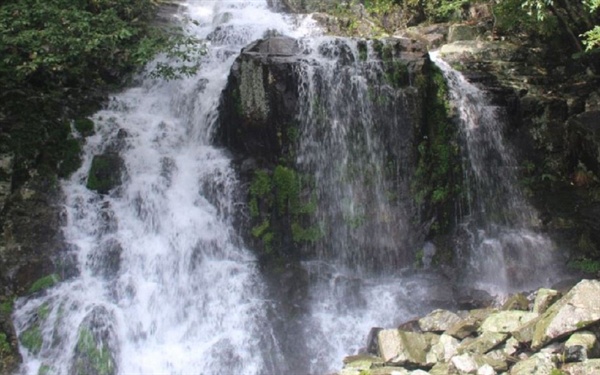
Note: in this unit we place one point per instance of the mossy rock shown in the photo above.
(96, 340)
(84, 126)
(44, 283)
(105, 173)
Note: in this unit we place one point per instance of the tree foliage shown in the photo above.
(74, 44)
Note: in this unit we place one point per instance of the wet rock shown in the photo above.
(484, 343)
(438, 321)
(462, 32)
(96, 348)
(465, 363)
(106, 259)
(543, 299)
(480, 50)
(362, 362)
(464, 328)
(432, 35)
(372, 341)
(441, 368)
(581, 346)
(588, 367)
(105, 172)
(578, 309)
(401, 347)
(538, 364)
(443, 350)
(468, 299)
(524, 334)
(507, 321)
(388, 370)
(516, 302)
(410, 326)
(486, 370)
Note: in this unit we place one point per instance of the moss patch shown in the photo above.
(84, 126)
(44, 283)
(92, 357)
(437, 182)
(105, 173)
(281, 209)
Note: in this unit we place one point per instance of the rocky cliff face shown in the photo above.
(264, 110)
(552, 107)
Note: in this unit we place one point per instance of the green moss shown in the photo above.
(44, 370)
(84, 126)
(397, 74)
(6, 307)
(437, 182)
(5, 348)
(586, 265)
(280, 210)
(44, 283)
(93, 355)
(70, 158)
(32, 339)
(105, 173)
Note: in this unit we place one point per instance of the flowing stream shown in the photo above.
(163, 285)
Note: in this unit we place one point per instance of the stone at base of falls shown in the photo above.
(438, 321)
(507, 321)
(401, 347)
(590, 367)
(543, 299)
(516, 302)
(105, 172)
(502, 344)
(538, 364)
(581, 346)
(484, 343)
(578, 309)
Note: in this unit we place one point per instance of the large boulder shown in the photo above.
(507, 321)
(543, 299)
(590, 367)
(401, 347)
(105, 172)
(538, 364)
(578, 309)
(581, 346)
(438, 321)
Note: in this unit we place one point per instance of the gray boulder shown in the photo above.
(438, 321)
(401, 347)
(578, 309)
(581, 346)
(507, 321)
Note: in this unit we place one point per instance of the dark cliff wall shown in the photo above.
(261, 120)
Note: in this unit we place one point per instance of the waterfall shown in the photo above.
(161, 282)
(162, 285)
(355, 141)
(505, 252)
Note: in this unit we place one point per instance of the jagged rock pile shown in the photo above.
(548, 336)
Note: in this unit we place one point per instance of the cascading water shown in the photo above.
(163, 285)
(355, 140)
(505, 251)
